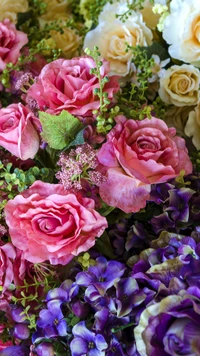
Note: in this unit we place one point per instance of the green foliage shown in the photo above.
(90, 10)
(158, 49)
(14, 180)
(133, 98)
(133, 5)
(31, 318)
(104, 116)
(103, 245)
(195, 158)
(159, 107)
(61, 130)
(25, 299)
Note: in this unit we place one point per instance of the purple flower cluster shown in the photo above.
(146, 307)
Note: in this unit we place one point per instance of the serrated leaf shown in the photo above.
(59, 130)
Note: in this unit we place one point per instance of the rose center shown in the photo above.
(183, 85)
(7, 124)
(145, 145)
(48, 224)
(117, 46)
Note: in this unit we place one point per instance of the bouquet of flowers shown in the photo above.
(99, 178)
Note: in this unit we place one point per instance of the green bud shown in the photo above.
(4, 81)
(96, 91)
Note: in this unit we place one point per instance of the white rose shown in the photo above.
(111, 36)
(192, 128)
(9, 9)
(179, 85)
(182, 31)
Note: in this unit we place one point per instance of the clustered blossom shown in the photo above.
(79, 163)
(24, 82)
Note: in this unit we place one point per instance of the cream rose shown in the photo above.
(150, 18)
(111, 36)
(182, 31)
(177, 117)
(192, 128)
(179, 85)
(55, 10)
(10, 8)
(68, 42)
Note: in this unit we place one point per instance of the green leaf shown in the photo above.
(59, 130)
(103, 245)
(157, 48)
(74, 321)
(79, 140)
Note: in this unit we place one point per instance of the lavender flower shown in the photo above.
(44, 348)
(15, 351)
(178, 203)
(162, 222)
(128, 296)
(86, 342)
(102, 276)
(115, 348)
(52, 320)
(67, 291)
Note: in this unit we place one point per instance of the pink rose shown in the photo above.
(68, 85)
(18, 131)
(11, 42)
(136, 155)
(7, 255)
(49, 223)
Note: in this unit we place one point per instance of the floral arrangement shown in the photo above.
(99, 176)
